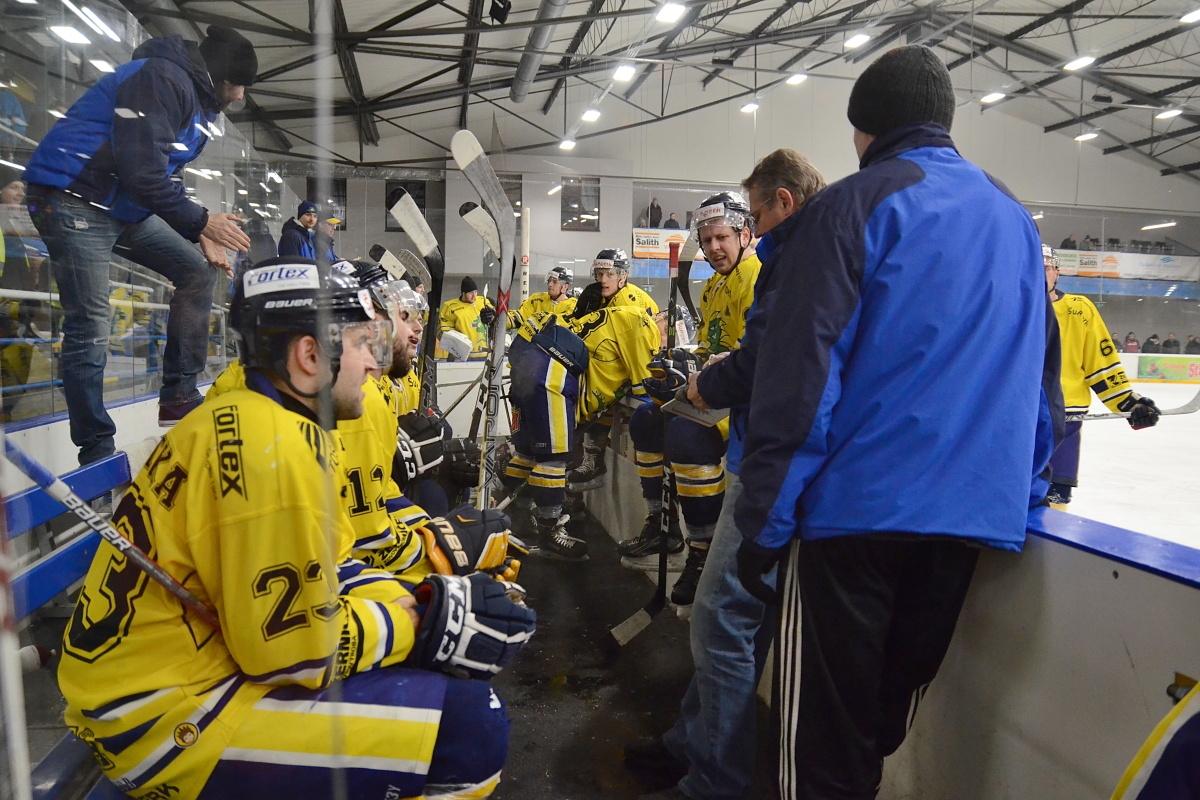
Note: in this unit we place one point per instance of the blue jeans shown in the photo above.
(81, 239)
(731, 631)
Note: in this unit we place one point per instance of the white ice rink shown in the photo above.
(1149, 480)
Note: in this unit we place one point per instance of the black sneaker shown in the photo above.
(684, 593)
(590, 472)
(646, 543)
(555, 542)
(170, 413)
(650, 757)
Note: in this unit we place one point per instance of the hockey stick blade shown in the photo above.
(477, 168)
(483, 224)
(388, 261)
(686, 256)
(59, 490)
(1190, 407)
(414, 264)
(410, 218)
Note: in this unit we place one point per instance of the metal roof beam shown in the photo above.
(1045, 19)
(1104, 112)
(466, 68)
(759, 29)
(368, 131)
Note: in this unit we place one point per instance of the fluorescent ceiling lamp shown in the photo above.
(1158, 225)
(197, 172)
(265, 187)
(69, 34)
(242, 192)
(1038, 215)
(555, 190)
(1085, 137)
(588, 216)
(274, 176)
(102, 65)
(11, 164)
(670, 12)
(1190, 17)
(1170, 112)
(994, 97)
(99, 25)
(591, 115)
(797, 79)
(750, 107)
(624, 72)
(75, 10)
(254, 205)
(566, 144)
(28, 2)
(1079, 63)
(54, 112)
(857, 40)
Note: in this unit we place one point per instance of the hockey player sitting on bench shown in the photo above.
(237, 503)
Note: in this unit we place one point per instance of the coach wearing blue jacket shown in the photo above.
(881, 448)
(102, 178)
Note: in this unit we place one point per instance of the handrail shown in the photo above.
(52, 297)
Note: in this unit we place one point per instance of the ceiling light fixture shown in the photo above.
(1190, 17)
(102, 65)
(1079, 63)
(624, 72)
(99, 25)
(69, 34)
(12, 164)
(555, 190)
(1086, 137)
(857, 40)
(994, 97)
(591, 115)
(54, 112)
(1038, 215)
(566, 144)
(670, 12)
(797, 79)
(1168, 113)
(1158, 225)
(750, 107)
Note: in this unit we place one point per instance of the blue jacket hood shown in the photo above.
(187, 56)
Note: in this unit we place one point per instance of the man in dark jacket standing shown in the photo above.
(102, 179)
(879, 442)
(1171, 344)
(299, 235)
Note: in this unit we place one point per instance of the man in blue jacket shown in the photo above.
(299, 235)
(102, 178)
(884, 449)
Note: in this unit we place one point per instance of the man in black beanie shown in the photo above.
(881, 455)
(470, 315)
(105, 176)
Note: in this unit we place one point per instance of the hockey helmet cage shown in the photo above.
(685, 325)
(562, 274)
(723, 208)
(456, 344)
(610, 258)
(1049, 256)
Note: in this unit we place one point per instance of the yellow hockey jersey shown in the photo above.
(630, 295)
(1090, 362)
(621, 342)
(538, 303)
(724, 302)
(238, 503)
(463, 317)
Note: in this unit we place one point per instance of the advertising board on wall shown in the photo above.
(1152, 266)
(656, 242)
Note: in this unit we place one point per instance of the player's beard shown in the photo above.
(401, 364)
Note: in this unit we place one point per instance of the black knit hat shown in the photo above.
(906, 85)
(468, 285)
(229, 56)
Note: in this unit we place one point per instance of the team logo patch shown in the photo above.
(364, 300)
(604, 263)
(229, 450)
(186, 734)
(280, 278)
(344, 267)
(707, 213)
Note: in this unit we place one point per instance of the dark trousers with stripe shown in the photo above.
(865, 623)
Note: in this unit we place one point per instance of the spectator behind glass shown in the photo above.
(1171, 344)
(1152, 345)
(1131, 343)
(1069, 243)
(298, 236)
(654, 212)
(671, 222)
(1192, 347)
(12, 115)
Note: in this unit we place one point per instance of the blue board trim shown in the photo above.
(1169, 560)
(34, 507)
(48, 577)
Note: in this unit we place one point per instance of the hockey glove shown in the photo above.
(472, 626)
(1142, 411)
(460, 464)
(419, 446)
(487, 315)
(469, 540)
(754, 564)
(669, 373)
(589, 300)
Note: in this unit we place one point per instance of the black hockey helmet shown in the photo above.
(563, 274)
(722, 208)
(611, 258)
(284, 297)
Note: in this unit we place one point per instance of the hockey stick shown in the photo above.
(625, 632)
(686, 256)
(415, 265)
(1190, 407)
(406, 212)
(12, 693)
(386, 260)
(475, 165)
(59, 490)
(483, 224)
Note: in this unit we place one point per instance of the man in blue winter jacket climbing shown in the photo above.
(881, 455)
(101, 181)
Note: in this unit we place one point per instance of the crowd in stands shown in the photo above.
(1168, 346)
(653, 217)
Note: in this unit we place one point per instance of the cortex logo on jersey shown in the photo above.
(280, 278)
(229, 450)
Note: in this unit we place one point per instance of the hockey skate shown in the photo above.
(554, 542)
(684, 592)
(646, 543)
(590, 472)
